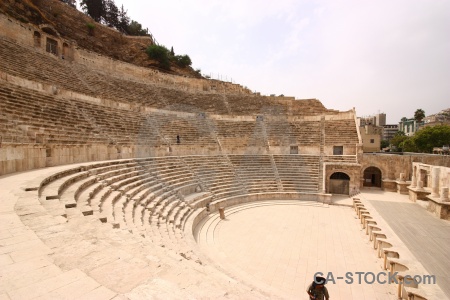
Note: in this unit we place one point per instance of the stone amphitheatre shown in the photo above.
(101, 200)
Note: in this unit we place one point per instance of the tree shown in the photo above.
(135, 28)
(94, 8)
(384, 144)
(419, 115)
(408, 145)
(124, 20)
(398, 138)
(432, 136)
(111, 14)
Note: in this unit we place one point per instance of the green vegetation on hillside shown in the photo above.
(164, 57)
(107, 12)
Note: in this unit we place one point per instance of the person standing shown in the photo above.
(317, 290)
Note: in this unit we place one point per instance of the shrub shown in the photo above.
(91, 28)
(161, 54)
(183, 60)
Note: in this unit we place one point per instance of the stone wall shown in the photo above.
(17, 158)
(20, 32)
(391, 165)
(352, 170)
(23, 157)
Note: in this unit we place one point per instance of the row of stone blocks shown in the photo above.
(407, 288)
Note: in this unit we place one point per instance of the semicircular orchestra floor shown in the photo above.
(278, 246)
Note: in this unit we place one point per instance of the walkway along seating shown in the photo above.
(390, 256)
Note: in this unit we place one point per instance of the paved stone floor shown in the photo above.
(427, 237)
(281, 244)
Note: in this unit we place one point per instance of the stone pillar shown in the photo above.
(222, 213)
(435, 182)
(402, 177)
(413, 180)
(444, 195)
(420, 185)
(414, 177)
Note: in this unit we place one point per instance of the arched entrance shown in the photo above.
(339, 183)
(372, 177)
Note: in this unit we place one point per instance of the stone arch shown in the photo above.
(50, 30)
(339, 183)
(37, 39)
(372, 177)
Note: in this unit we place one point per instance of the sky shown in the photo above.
(390, 56)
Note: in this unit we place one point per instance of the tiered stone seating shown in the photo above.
(30, 64)
(298, 173)
(280, 133)
(285, 133)
(152, 198)
(248, 105)
(191, 130)
(171, 171)
(338, 132)
(340, 159)
(256, 172)
(149, 94)
(310, 107)
(136, 195)
(217, 176)
(194, 102)
(26, 62)
(241, 134)
(64, 121)
(307, 132)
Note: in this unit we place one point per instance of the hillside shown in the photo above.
(72, 25)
